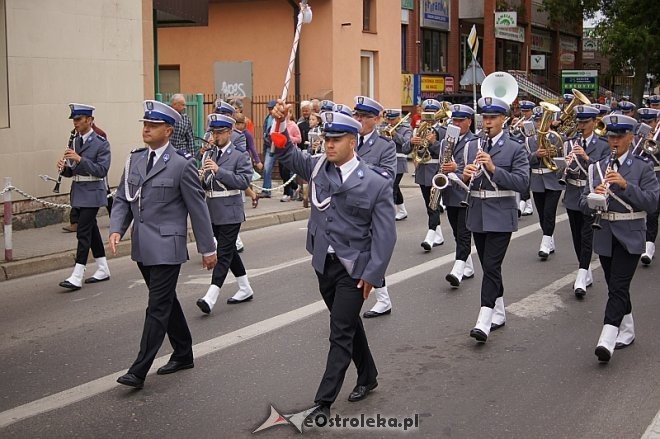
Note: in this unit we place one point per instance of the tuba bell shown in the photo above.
(549, 139)
(500, 85)
(567, 120)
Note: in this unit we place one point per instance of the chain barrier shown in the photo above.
(33, 198)
(293, 177)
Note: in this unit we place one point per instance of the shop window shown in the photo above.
(367, 74)
(434, 50)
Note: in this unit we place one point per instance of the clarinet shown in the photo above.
(482, 138)
(56, 189)
(578, 140)
(600, 209)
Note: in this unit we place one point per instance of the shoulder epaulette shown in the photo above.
(642, 158)
(100, 136)
(378, 170)
(133, 151)
(517, 139)
(385, 138)
(185, 154)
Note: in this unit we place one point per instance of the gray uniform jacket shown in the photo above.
(597, 149)
(511, 173)
(401, 138)
(358, 223)
(541, 182)
(641, 194)
(379, 151)
(170, 192)
(453, 194)
(238, 140)
(234, 172)
(425, 171)
(95, 162)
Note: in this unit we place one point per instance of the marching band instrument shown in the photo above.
(316, 144)
(483, 137)
(598, 202)
(56, 189)
(567, 120)
(644, 131)
(207, 177)
(501, 85)
(390, 130)
(600, 130)
(546, 135)
(440, 180)
(650, 145)
(421, 153)
(569, 162)
(516, 128)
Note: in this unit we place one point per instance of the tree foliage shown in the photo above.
(628, 33)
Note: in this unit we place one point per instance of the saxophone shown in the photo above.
(440, 180)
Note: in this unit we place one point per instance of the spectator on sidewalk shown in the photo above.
(252, 151)
(238, 105)
(269, 158)
(296, 138)
(183, 137)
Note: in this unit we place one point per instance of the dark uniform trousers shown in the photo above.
(491, 247)
(164, 315)
(434, 215)
(462, 236)
(88, 235)
(619, 270)
(398, 195)
(228, 256)
(546, 205)
(347, 337)
(652, 224)
(583, 236)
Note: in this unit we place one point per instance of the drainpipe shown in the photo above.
(296, 63)
(156, 70)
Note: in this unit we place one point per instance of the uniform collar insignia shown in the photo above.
(360, 173)
(166, 157)
(629, 162)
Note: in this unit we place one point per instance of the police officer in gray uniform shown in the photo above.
(237, 138)
(580, 152)
(351, 235)
(526, 114)
(621, 189)
(455, 193)
(401, 137)
(159, 189)
(87, 164)
(425, 172)
(376, 150)
(226, 173)
(497, 168)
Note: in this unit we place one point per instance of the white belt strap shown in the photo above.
(401, 156)
(222, 194)
(432, 161)
(78, 178)
(656, 168)
(579, 183)
(541, 171)
(620, 216)
(483, 194)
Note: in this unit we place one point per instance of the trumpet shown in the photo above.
(390, 130)
(440, 181)
(598, 202)
(516, 128)
(650, 145)
(207, 177)
(647, 140)
(69, 145)
(483, 137)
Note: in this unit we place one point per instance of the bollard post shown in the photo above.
(7, 219)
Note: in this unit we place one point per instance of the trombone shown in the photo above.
(390, 130)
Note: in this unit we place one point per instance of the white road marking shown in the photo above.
(205, 279)
(108, 382)
(653, 431)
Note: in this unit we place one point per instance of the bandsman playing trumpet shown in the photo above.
(497, 168)
(87, 164)
(453, 195)
(427, 169)
(401, 135)
(622, 189)
(649, 148)
(581, 152)
(526, 114)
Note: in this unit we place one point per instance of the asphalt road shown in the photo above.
(537, 377)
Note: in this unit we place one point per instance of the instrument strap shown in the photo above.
(609, 191)
(320, 205)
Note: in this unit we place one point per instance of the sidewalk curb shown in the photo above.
(57, 261)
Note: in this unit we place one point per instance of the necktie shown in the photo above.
(150, 163)
(616, 165)
(341, 178)
(78, 143)
(489, 145)
(360, 144)
(584, 144)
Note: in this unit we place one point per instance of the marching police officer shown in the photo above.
(654, 102)
(376, 150)
(237, 138)
(401, 137)
(226, 173)
(87, 164)
(425, 172)
(587, 148)
(454, 194)
(622, 188)
(159, 189)
(651, 117)
(351, 236)
(526, 114)
(497, 168)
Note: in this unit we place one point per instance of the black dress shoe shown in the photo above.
(201, 304)
(426, 246)
(543, 255)
(233, 301)
(131, 380)
(372, 314)
(620, 345)
(93, 280)
(453, 280)
(322, 413)
(580, 293)
(69, 285)
(496, 326)
(478, 335)
(646, 260)
(361, 392)
(175, 366)
(603, 354)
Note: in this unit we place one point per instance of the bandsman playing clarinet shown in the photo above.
(453, 195)
(621, 190)
(497, 168)
(581, 152)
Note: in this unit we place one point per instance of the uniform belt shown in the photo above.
(86, 178)
(541, 171)
(400, 155)
(430, 162)
(579, 183)
(222, 194)
(621, 216)
(492, 194)
(656, 168)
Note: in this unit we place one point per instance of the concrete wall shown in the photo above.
(71, 51)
